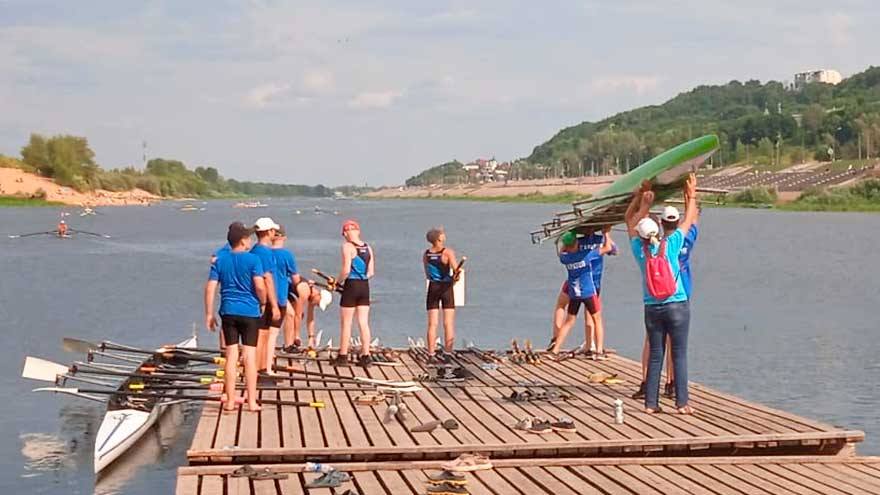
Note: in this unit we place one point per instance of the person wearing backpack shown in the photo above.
(667, 310)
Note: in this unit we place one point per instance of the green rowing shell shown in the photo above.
(668, 169)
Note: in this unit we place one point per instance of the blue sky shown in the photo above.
(343, 92)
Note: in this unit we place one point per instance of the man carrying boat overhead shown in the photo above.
(439, 262)
(667, 310)
(266, 228)
(577, 258)
(243, 294)
(594, 344)
(669, 220)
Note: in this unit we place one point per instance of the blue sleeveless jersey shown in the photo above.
(437, 270)
(580, 274)
(360, 262)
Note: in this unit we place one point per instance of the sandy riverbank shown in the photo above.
(547, 187)
(16, 182)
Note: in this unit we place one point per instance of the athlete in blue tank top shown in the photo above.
(436, 270)
(360, 262)
(440, 269)
(357, 267)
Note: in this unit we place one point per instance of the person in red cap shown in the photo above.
(358, 265)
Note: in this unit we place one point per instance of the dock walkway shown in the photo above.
(346, 433)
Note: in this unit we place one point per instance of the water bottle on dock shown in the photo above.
(618, 411)
(317, 467)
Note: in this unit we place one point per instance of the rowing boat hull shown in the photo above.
(121, 428)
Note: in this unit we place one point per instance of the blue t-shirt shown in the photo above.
(267, 258)
(236, 272)
(674, 243)
(595, 241)
(684, 259)
(580, 275)
(285, 265)
(225, 249)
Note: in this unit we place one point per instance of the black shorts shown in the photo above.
(240, 329)
(592, 303)
(356, 293)
(292, 294)
(266, 321)
(440, 294)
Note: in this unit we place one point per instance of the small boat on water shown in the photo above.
(87, 212)
(128, 417)
(191, 208)
(250, 204)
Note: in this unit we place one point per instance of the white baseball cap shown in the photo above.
(670, 214)
(326, 299)
(265, 223)
(647, 228)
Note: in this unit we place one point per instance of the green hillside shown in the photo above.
(750, 118)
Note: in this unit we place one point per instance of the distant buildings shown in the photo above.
(826, 76)
(486, 170)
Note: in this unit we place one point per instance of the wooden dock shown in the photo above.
(660, 447)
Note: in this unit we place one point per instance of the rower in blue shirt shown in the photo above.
(578, 259)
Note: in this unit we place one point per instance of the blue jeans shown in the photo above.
(672, 319)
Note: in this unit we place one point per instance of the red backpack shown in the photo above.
(658, 274)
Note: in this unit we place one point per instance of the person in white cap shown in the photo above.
(305, 297)
(669, 220)
(271, 320)
(667, 311)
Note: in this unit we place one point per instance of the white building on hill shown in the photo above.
(827, 76)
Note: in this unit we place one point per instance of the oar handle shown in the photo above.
(317, 404)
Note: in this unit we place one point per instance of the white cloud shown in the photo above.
(638, 84)
(260, 96)
(370, 100)
(318, 80)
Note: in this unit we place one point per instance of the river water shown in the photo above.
(784, 311)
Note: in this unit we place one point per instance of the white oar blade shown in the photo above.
(57, 389)
(41, 369)
(77, 345)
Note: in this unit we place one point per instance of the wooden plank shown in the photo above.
(751, 483)
(596, 478)
(368, 483)
(227, 427)
(394, 482)
(646, 476)
(671, 477)
(846, 474)
(238, 486)
(701, 478)
(187, 485)
(543, 480)
(291, 431)
(270, 427)
(574, 481)
(206, 428)
(815, 482)
(212, 485)
(293, 485)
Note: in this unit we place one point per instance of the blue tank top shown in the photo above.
(360, 262)
(437, 270)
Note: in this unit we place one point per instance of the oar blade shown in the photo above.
(79, 346)
(41, 369)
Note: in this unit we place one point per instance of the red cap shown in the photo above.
(350, 225)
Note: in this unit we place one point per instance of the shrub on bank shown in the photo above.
(755, 195)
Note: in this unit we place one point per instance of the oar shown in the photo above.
(70, 344)
(47, 371)
(105, 236)
(18, 236)
(342, 379)
(457, 271)
(79, 391)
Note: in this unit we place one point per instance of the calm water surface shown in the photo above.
(784, 311)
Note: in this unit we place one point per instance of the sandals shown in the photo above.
(330, 479)
(447, 477)
(449, 424)
(247, 471)
(467, 463)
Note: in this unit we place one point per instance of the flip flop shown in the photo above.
(330, 479)
(450, 424)
(425, 427)
(267, 474)
(370, 399)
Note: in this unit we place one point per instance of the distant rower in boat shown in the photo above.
(669, 220)
(62, 229)
(593, 343)
(439, 262)
(243, 294)
(272, 315)
(305, 296)
(285, 275)
(667, 309)
(358, 265)
(578, 259)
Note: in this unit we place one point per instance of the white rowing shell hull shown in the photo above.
(121, 428)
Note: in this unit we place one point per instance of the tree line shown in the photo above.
(767, 125)
(71, 162)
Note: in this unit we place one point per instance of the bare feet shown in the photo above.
(254, 407)
(649, 410)
(687, 410)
